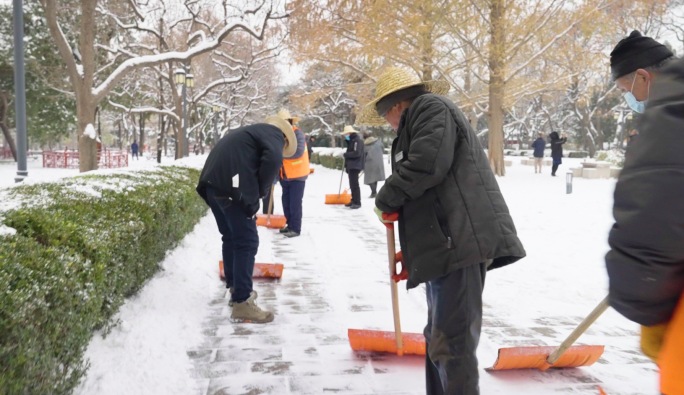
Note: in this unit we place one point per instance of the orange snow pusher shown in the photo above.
(389, 342)
(564, 356)
(340, 197)
(261, 270)
(271, 221)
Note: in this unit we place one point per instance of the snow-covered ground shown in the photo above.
(341, 256)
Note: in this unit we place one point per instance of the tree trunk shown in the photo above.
(87, 146)
(496, 87)
(142, 133)
(3, 124)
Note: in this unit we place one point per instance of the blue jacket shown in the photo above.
(539, 144)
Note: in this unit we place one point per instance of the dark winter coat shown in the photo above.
(646, 260)
(134, 148)
(353, 158)
(374, 166)
(243, 165)
(539, 144)
(557, 146)
(451, 211)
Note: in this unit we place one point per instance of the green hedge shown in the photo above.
(329, 161)
(81, 246)
(578, 154)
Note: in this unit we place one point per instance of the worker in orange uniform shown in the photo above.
(293, 176)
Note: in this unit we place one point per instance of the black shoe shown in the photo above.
(291, 233)
(284, 230)
(372, 195)
(355, 206)
(348, 205)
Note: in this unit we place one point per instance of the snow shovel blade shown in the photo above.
(273, 221)
(381, 341)
(261, 270)
(338, 198)
(534, 357)
(564, 356)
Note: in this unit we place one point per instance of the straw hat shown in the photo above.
(285, 114)
(348, 129)
(392, 80)
(290, 140)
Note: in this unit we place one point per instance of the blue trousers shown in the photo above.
(293, 193)
(453, 331)
(240, 243)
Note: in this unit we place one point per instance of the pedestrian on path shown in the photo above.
(556, 150)
(134, 150)
(293, 175)
(237, 172)
(353, 163)
(645, 264)
(538, 145)
(453, 221)
(373, 167)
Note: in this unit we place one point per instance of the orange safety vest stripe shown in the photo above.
(671, 356)
(295, 168)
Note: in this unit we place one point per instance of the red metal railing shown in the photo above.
(68, 159)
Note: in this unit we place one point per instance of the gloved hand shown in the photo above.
(652, 340)
(403, 274)
(386, 218)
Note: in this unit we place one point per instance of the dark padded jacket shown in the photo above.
(243, 164)
(451, 211)
(353, 158)
(646, 260)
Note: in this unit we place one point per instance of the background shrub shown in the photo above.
(81, 246)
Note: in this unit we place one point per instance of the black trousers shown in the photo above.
(354, 186)
(453, 331)
(374, 187)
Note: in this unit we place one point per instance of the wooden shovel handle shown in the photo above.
(586, 323)
(393, 286)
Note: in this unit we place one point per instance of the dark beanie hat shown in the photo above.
(636, 52)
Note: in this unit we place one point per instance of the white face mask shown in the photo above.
(632, 102)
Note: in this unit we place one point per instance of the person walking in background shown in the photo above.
(556, 151)
(373, 167)
(310, 140)
(134, 150)
(538, 145)
(293, 177)
(454, 224)
(238, 171)
(353, 163)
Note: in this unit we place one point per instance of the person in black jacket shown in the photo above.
(239, 170)
(646, 259)
(353, 163)
(556, 150)
(453, 221)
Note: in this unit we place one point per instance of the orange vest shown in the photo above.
(671, 356)
(295, 168)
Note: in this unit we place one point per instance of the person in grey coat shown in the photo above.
(374, 166)
(454, 224)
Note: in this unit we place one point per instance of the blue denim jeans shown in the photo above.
(240, 243)
(293, 193)
(453, 331)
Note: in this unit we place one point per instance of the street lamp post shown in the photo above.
(20, 91)
(186, 80)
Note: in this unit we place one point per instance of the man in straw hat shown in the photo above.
(645, 263)
(238, 171)
(353, 163)
(454, 224)
(293, 176)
